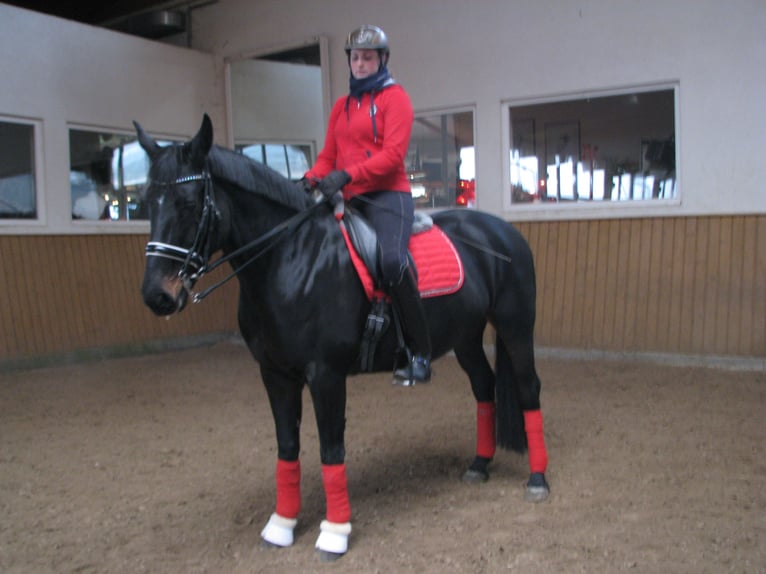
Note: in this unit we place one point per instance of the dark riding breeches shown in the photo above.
(390, 213)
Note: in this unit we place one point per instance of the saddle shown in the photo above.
(434, 259)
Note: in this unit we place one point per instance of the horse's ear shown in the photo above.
(146, 141)
(203, 141)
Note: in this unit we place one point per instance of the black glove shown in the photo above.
(332, 182)
(308, 183)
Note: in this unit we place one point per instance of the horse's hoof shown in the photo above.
(333, 540)
(267, 544)
(473, 476)
(326, 556)
(537, 489)
(478, 472)
(278, 531)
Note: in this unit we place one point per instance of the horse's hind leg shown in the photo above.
(473, 360)
(515, 361)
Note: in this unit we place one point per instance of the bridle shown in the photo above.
(194, 260)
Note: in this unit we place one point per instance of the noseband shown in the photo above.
(194, 259)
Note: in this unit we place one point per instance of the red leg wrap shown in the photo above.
(538, 456)
(336, 492)
(485, 430)
(288, 488)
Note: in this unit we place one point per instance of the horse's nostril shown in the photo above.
(160, 303)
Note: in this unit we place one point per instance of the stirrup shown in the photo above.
(418, 370)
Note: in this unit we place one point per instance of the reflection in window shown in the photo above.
(291, 160)
(609, 148)
(440, 160)
(18, 196)
(107, 173)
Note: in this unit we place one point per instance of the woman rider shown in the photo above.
(367, 139)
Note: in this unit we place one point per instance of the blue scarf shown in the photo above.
(373, 83)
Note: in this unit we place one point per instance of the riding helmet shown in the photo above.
(368, 38)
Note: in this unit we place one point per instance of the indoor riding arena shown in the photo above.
(135, 443)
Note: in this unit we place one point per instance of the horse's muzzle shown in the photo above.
(166, 296)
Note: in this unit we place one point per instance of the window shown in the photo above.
(18, 190)
(616, 148)
(107, 173)
(291, 160)
(440, 160)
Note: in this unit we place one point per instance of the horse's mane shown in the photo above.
(255, 177)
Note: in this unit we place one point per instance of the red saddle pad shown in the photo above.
(440, 270)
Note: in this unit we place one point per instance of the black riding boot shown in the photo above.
(406, 300)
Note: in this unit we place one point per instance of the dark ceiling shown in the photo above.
(89, 11)
(147, 18)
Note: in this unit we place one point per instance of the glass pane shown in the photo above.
(276, 158)
(107, 173)
(18, 197)
(610, 148)
(440, 160)
(291, 160)
(298, 160)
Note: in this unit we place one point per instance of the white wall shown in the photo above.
(59, 72)
(486, 52)
(275, 101)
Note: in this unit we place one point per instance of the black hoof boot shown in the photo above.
(478, 471)
(537, 489)
(418, 371)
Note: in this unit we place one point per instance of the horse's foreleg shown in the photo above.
(286, 406)
(328, 392)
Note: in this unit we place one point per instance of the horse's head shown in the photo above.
(183, 218)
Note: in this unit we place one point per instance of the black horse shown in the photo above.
(303, 310)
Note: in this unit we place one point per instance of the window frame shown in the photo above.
(240, 144)
(452, 110)
(11, 225)
(110, 226)
(578, 209)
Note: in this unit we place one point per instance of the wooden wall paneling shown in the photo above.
(633, 285)
(609, 286)
(71, 262)
(601, 318)
(560, 285)
(547, 300)
(749, 285)
(12, 337)
(627, 286)
(711, 278)
(758, 290)
(589, 299)
(568, 265)
(727, 288)
(666, 283)
(689, 284)
(697, 288)
(737, 274)
(43, 333)
(673, 273)
(656, 334)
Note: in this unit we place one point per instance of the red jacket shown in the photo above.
(374, 163)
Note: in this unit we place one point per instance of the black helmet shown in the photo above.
(368, 38)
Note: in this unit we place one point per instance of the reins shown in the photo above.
(194, 260)
(291, 223)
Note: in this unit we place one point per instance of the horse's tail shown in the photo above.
(510, 418)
